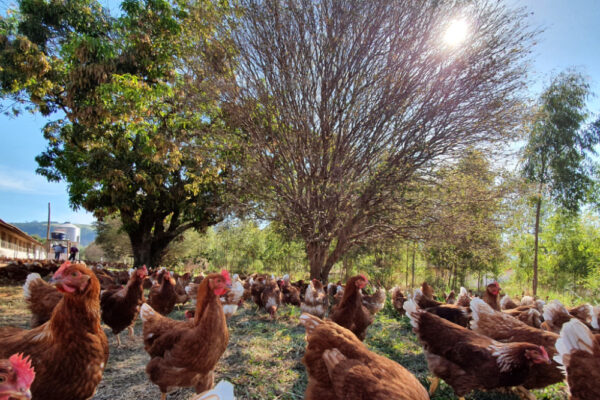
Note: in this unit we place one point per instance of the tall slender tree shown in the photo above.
(557, 156)
(346, 102)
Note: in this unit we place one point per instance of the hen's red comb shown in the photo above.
(544, 352)
(25, 372)
(62, 268)
(226, 276)
(363, 277)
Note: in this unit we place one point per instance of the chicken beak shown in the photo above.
(55, 280)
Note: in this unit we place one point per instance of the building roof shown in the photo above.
(19, 232)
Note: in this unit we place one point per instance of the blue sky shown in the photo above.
(571, 38)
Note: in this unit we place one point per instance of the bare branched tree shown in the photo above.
(344, 102)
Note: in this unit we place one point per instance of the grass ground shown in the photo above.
(262, 359)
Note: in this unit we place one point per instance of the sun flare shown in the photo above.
(456, 33)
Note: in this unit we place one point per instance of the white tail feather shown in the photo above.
(147, 312)
(411, 307)
(554, 307)
(539, 304)
(417, 294)
(503, 301)
(574, 335)
(463, 291)
(310, 322)
(478, 307)
(527, 301)
(223, 391)
(229, 309)
(26, 287)
(595, 317)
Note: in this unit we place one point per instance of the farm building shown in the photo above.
(15, 243)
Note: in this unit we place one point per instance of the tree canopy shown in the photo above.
(344, 103)
(557, 155)
(466, 236)
(140, 132)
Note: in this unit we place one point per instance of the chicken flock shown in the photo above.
(486, 343)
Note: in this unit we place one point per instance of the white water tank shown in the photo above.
(72, 232)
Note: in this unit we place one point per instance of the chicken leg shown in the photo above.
(131, 332)
(118, 340)
(163, 396)
(523, 393)
(435, 382)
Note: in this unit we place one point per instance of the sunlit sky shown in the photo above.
(571, 38)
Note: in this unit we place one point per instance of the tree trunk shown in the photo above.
(413, 263)
(538, 207)
(317, 254)
(454, 275)
(148, 252)
(346, 269)
(407, 263)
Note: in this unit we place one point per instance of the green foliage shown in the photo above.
(556, 157)
(113, 241)
(559, 143)
(466, 236)
(569, 259)
(240, 247)
(141, 133)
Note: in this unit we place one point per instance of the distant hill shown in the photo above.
(88, 232)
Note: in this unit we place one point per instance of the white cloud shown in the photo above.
(28, 182)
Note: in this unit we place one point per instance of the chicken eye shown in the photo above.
(73, 273)
(2, 379)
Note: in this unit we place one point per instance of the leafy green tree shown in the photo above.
(345, 103)
(94, 253)
(556, 157)
(141, 135)
(466, 208)
(240, 246)
(112, 239)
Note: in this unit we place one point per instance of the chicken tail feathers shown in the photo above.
(310, 322)
(147, 313)
(478, 308)
(411, 309)
(504, 302)
(595, 313)
(574, 335)
(31, 278)
(553, 310)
